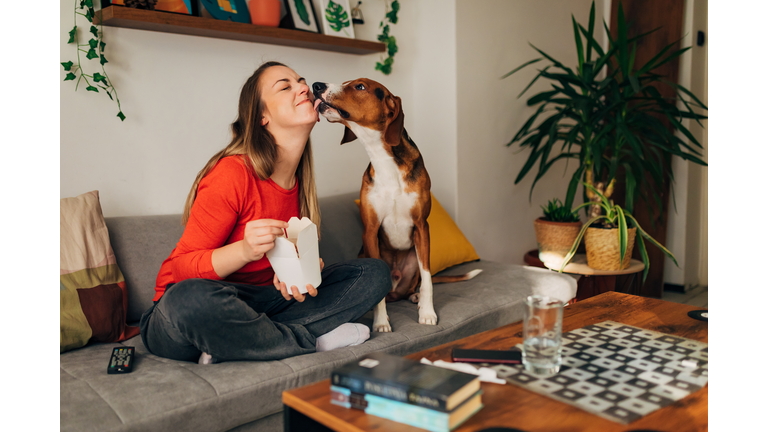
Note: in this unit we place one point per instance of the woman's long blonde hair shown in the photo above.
(257, 145)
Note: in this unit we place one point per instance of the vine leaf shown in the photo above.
(88, 3)
(95, 31)
(391, 46)
(110, 96)
(337, 16)
(103, 60)
(121, 115)
(384, 36)
(392, 15)
(302, 11)
(72, 35)
(91, 54)
(92, 88)
(101, 46)
(386, 66)
(67, 65)
(93, 43)
(89, 15)
(97, 77)
(70, 76)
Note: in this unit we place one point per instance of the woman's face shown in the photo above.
(288, 103)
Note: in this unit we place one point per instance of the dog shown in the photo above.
(395, 198)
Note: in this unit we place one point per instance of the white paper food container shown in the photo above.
(301, 269)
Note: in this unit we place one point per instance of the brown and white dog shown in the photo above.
(394, 197)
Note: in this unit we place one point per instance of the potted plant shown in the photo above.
(609, 239)
(556, 232)
(605, 114)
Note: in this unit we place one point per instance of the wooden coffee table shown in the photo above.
(310, 408)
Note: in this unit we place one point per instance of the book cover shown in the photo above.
(413, 415)
(406, 380)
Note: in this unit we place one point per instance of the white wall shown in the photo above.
(493, 36)
(687, 221)
(180, 94)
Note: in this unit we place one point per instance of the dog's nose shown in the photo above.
(318, 88)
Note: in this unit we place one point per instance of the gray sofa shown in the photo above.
(167, 395)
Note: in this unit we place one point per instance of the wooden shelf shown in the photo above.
(119, 16)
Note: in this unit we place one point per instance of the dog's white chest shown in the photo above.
(389, 199)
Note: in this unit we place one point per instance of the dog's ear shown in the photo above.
(348, 135)
(396, 119)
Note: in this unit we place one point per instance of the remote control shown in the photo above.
(121, 360)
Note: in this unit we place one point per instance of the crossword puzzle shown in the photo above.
(619, 372)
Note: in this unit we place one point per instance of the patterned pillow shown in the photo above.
(93, 295)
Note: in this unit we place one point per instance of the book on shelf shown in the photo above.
(413, 415)
(408, 381)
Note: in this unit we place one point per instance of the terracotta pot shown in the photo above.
(555, 239)
(603, 248)
(264, 12)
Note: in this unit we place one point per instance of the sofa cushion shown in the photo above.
(141, 244)
(162, 394)
(93, 298)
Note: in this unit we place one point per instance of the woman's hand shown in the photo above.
(296, 294)
(259, 237)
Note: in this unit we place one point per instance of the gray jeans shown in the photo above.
(235, 321)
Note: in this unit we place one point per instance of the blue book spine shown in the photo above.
(412, 415)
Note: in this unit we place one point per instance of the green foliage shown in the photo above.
(337, 17)
(75, 69)
(616, 217)
(385, 66)
(607, 118)
(302, 11)
(555, 211)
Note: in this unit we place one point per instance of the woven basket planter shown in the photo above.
(555, 240)
(603, 248)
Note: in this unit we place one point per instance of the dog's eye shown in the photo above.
(360, 87)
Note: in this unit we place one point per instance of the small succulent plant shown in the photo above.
(556, 211)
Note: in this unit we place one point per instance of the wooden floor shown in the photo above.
(695, 297)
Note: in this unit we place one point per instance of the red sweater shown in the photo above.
(228, 197)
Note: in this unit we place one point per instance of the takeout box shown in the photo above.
(296, 257)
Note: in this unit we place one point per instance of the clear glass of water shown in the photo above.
(542, 335)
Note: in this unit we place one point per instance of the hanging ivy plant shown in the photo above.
(94, 49)
(390, 16)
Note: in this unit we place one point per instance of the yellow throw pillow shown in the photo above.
(448, 246)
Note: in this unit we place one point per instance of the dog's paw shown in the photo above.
(381, 325)
(414, 298)
(427, 317)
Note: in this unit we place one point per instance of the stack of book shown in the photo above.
(407, 391)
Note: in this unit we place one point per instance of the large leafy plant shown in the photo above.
(93, 50)
(616, 217)
(606, 113)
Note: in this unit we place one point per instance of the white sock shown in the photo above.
(206, 358)
(348, 334)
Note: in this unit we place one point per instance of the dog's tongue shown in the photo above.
(317, 103)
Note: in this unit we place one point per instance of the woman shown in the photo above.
(217, 297)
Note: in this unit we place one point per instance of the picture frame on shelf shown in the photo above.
(336, 16)
(184, 7)
(300, 15)
(225, 10)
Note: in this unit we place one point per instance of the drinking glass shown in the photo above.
(542, 335)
